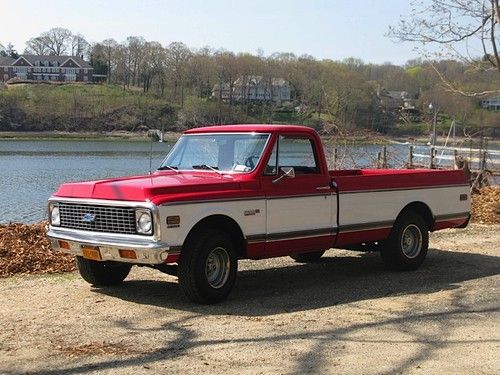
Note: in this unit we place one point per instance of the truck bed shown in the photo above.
(383, 179)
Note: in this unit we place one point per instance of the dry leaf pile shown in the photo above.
(25, 249)
(486, 205)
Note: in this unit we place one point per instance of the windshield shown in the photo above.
(217, 152)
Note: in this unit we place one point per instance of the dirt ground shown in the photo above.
(345, 314)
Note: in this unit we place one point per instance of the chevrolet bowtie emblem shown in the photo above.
(88, 218)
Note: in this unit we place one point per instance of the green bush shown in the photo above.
(82, 108)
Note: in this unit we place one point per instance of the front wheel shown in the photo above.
(102, 273)
(208, 266)
(407, 245)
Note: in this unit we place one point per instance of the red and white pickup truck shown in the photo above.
(225, 193)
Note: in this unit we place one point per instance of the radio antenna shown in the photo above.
(150, 155)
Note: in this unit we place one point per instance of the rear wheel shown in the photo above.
(307, 257)
(208, 267)
(407, 245)
(102, 273)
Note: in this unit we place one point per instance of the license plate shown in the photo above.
(91, 252)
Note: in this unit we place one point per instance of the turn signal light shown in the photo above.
(173, 221)
(129, 254)
(64, 244)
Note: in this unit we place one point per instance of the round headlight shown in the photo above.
(144, 222)
(55, 216)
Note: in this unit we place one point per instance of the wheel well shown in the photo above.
(224, 223)
(422, 209)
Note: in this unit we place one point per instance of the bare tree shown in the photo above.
(201, 71)
(153, 65)
(11, 51)
(79, 45)
(135, 49)
(460, 29)
(110, 46)
(178, 56)
(36, 46)
(57, 40)
(227, 70)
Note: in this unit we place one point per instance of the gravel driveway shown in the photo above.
(345, 314)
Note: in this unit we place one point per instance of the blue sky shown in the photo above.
(325, 29)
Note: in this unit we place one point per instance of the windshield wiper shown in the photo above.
(163, 167)
(205, 166)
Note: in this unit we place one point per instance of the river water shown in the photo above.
(31, 170)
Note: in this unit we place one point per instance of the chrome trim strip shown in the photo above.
(147, 251)
(295, 235)
(365, 226)
(403, 188)
(219, 200)
(101, 235)
(213, 201)
(106, 202)
(300, 196)
(305, 195)
(102, 202)
(284, 236)
(342, 229)
(458, 215)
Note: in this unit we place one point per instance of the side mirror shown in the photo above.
(288, 172)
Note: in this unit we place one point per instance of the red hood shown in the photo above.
(156, 188)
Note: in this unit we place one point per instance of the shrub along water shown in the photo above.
(82, 108)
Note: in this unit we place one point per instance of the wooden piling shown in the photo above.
(410, 158)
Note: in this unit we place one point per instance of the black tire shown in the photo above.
(102, 273)
(407, 245)
(208, 266)
(307, 257)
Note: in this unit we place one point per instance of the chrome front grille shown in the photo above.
(98, 218)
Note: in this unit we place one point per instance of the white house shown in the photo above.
(255, 88)
(492, 103)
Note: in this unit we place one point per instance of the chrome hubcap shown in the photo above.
(217, 267)
(411, 241)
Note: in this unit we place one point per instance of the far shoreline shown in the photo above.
(119, 135)
(52, 135)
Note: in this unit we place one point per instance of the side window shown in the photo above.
(298, 153)
(293, 152)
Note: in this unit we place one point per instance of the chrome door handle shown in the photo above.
(323, 188)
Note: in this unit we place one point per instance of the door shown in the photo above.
(299, 209)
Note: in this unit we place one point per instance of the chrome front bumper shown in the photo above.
(147, 250)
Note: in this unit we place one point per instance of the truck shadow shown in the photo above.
(334, 280)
